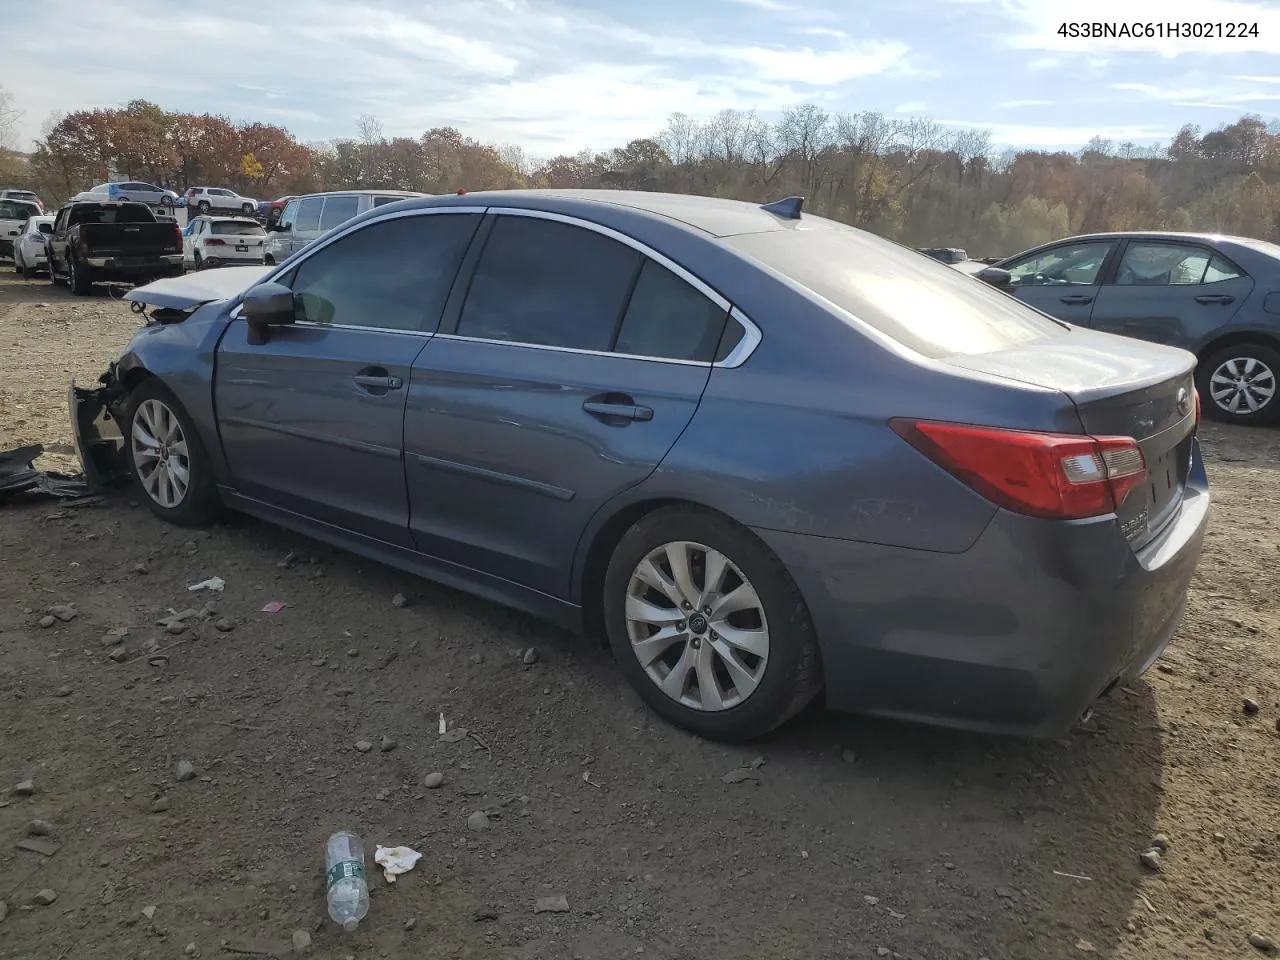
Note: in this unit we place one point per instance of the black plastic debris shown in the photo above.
(19, 476)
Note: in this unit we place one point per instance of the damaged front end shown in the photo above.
(96, 416)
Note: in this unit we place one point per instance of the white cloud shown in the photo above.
(911, 106)
(1256, 79)
(1182, 96)
(1041, 19)
(530, 71)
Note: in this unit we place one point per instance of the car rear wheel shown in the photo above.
(166, 460)
(247, 209)
(203, 206)
(80, 277)
(1239, 384)
(708, 626)
(197, 261)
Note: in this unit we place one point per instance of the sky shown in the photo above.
(558, 76)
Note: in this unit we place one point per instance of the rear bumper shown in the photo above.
(239, 260)
(1019, 634)
(123, 266)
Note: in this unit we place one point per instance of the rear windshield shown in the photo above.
(927, 306)
(124, 213)
(240, 229)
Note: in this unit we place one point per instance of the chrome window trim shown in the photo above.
(751, 335)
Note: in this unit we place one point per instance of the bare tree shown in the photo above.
(10, 115)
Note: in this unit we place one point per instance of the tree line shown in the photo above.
(911, 179)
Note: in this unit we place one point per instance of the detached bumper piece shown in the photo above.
(18, 475)
(95, 417)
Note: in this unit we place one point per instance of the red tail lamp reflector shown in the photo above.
(1050, 475)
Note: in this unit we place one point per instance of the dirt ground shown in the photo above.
(858, 839)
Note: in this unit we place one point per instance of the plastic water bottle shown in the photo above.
(346, 890)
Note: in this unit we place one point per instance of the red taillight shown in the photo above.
(177, 236)
(1050, 475)
(1197, 393)
(215, 242)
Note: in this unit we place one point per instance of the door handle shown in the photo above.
(1077, 298)
(1215, 298)
(377, 382)
(624, 411)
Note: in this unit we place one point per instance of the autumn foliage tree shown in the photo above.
(910, 178)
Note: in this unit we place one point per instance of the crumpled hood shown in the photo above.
(194, 289)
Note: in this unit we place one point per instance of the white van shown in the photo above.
(306, 218)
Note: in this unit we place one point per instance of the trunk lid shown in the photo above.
(1123, 388)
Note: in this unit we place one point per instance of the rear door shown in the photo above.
(1170, 291)
(1063, 280)
(562, 375)
(312, 421)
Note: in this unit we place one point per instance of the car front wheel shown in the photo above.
(166, 460)
(708, 626)
(1238, 384)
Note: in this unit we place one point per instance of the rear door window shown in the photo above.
(549, 283)
(927, 306)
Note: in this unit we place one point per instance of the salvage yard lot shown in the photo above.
(853, 837)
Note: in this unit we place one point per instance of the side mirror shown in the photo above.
(45, 227)
(995, 276)
(267, 305)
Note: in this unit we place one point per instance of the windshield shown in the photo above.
(925, 305)
(240, 229)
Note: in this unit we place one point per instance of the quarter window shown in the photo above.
(1219, 270)
(394, 274)
(548, 283)
(285, 222)
(669, 318)
(1162, 264)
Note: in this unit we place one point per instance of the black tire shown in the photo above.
(123, 199)
(28, 273)
(166, 202)
(1269, 412)
(80, 278)
(203, 207)
(201, 505)
(53, 276)
(793, 671)
(247, 209)
(269, 260)
(197, 262)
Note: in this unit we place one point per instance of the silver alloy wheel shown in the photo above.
(1242, 385)
(160, 453)
(697, 626)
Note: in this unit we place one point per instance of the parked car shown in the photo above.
(1218, 297)
(13, 217)
(109, 241)
(29, 249)
(30, 196)
(764, 461)
(305, 219)
(269, 210)
(945, 254)
(208, 199)
(220, 241)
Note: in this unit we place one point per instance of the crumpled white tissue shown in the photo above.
(395, 860)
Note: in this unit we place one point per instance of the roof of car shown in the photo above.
(354, 193)
(713, 216)
(215, 219)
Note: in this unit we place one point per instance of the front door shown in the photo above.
(1171, 292)
(313, 420)
(1062, 281)
(571, 369)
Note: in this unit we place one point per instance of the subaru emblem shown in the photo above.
(1183, 401)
